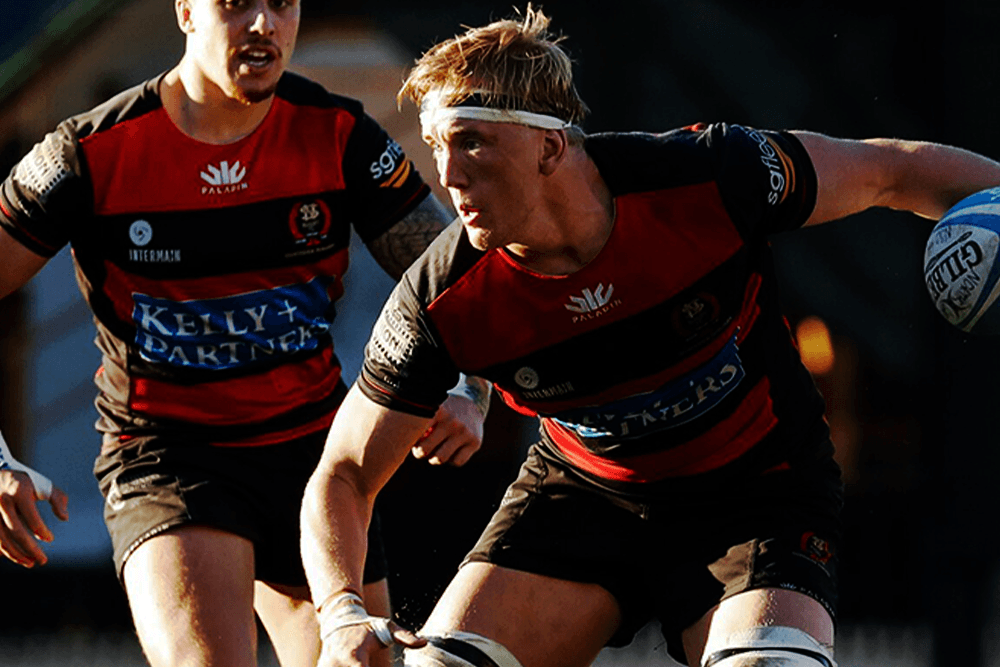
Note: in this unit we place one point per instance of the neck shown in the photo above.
(203, 111)
(576, 224)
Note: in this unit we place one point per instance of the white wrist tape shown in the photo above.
(43, 485)
(335, 616)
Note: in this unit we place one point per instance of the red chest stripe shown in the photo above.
(723, 443)
(738, 328)
(290, 154)
(661, 242)
(244, 400)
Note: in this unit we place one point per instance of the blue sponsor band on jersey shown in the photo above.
(234, 331)
(678, 402)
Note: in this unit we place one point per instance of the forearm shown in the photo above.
(931, 178)
(921, 177)
(334, 538)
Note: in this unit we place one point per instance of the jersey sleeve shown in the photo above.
(766, 178)
(406, 366)
(383, 182)
(43, 193)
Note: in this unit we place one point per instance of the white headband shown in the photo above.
(432, 112)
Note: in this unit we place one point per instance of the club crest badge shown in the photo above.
(309, 222)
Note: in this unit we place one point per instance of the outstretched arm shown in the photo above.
(366, 444)
(921, 177)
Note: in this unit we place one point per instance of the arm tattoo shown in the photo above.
(476, 389)
(402, 243)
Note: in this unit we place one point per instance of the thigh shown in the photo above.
(155, 483)
(191, 594)
(760, 551)
(288, 615)
(543, 621)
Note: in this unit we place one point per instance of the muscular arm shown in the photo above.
(398, 247)
(924, 178)
(366, 444)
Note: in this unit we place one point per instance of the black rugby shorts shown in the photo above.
(153, 483)
(675, 549)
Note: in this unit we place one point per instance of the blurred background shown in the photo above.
(909, 398)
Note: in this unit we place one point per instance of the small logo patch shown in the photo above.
(309, 222)
(526, 378)
(224, 178)
(698, 312)
(141, 232)
(816, 548)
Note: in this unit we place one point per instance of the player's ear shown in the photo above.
(554, 146)
(183, 10)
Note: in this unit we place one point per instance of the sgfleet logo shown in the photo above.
(592, 303)
(388, 161)
(234, 331)
(224, 178)
(777, 164)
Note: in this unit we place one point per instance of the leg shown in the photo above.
(191, 594)
(544, 622)
(289, 617)
(761, 607)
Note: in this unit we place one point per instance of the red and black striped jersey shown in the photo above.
(667, 354)
(212, 270)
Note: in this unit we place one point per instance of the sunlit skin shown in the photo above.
(523, 189)
(235, 54)
(491, 172)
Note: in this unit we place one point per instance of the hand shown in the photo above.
(455, 434)
(21, 525)
(358, 646)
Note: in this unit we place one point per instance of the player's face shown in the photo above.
(242, 46)
(491, 172)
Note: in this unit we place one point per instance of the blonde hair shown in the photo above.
(511, 64)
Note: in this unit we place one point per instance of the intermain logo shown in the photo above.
(224, 178)
(590, 301)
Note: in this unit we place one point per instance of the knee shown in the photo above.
(773, 646)
(460, 649)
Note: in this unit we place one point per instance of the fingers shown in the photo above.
(455, 434)
(441, 445)
(453, 451)
(405, 638)
(59, 502)
(354, 646)
(21, 526)
(16, 543)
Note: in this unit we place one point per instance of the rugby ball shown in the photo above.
(961, 267)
